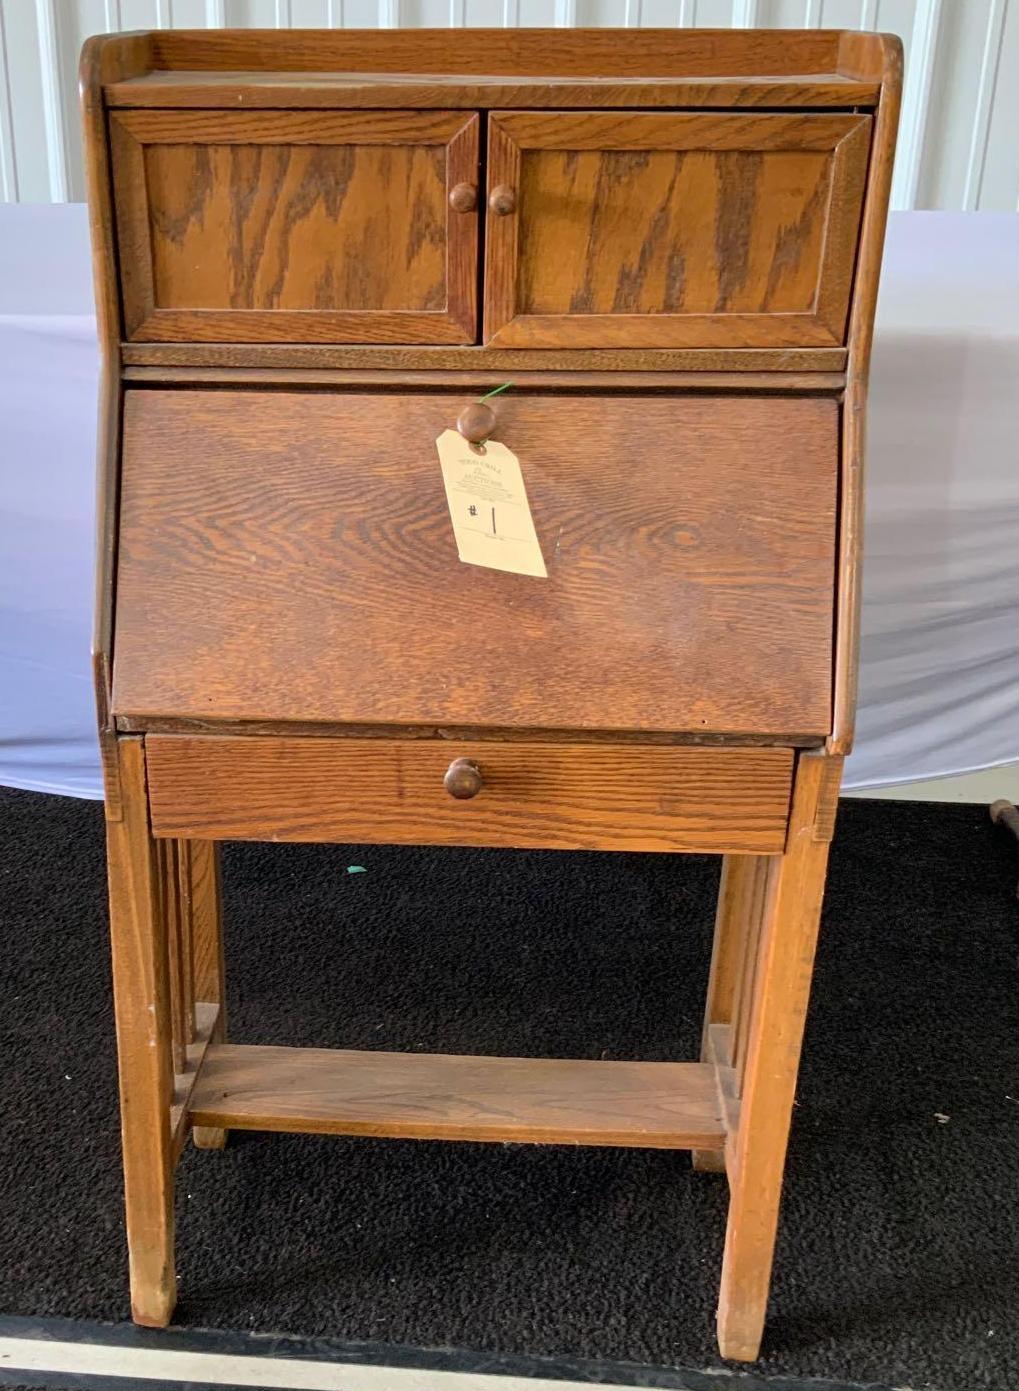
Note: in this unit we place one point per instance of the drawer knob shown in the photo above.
(463, 198)
(463, 779)
(476, 422)
(502, 200)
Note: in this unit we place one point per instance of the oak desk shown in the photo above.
(314, 253)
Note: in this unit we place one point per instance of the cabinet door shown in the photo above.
(643, 230)
(292, 226)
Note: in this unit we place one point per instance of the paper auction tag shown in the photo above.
(488, 506)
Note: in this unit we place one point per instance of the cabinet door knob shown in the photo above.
(476, 422)
(463, 779)
(502, 200)
(463, 198)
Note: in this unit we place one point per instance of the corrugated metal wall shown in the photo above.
(959, 144)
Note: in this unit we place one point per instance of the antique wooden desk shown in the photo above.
(314, 253)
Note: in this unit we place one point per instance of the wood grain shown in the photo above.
(138, 934)
(736, 893)
(104, 61)
(203, 903)
(436, 1097)
(270, 225)
(536, 795)
(523, 52)
(331, 380)
(127, 724)
(324, 91)
(648, 230)
(177, 974)
(202, 908)
(779, 993)
(206, 1032)
(320, 356)
(882, 56)
(285, 563)
(285, 546)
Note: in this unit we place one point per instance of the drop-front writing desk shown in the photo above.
(314, 252)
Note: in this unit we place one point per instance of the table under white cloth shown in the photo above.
(939, 679)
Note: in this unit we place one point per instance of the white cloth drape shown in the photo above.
(939, 681)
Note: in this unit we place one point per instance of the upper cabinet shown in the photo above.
(644, 230)
(297, 226)
(621, 229)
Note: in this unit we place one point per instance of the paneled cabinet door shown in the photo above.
(700, 230)
(294, 226)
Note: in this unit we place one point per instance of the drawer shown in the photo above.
(686, 230)
(288, 556)
(291, 226)
(537, 795)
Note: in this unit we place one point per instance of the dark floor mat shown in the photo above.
(898, 1258)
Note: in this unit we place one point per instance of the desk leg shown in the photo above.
(766, 1058)
(138, 932)
(739, 895)
(204, 904)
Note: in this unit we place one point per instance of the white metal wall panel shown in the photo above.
(8, 170)
(1000, 182)
(959, 144)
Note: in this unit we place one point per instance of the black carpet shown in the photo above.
(898, 1259)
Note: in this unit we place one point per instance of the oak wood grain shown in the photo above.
(324, 91)
(437, 359)
(449, 1097)
(104, 61)
(295, 225)
(206, 1031)
(539, 795)
(170, 911)
(286, 547)
(620, 381)
(779, 989)
(650, 230)
(170, 724)
(203, 904)
(690, 536)
(139, 942)
(881, 56)
(523, 52)
(734, 921)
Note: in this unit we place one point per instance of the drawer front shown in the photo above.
(297, 226)
(532, 795)
(289, 556)
(627, 230)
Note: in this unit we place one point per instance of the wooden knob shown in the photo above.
(463, 779)
(502, 200)
(476, 422)
(463, 198)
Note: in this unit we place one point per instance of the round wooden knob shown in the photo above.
(476, 422)
(463, 779)
(463, 198)
(502, 200)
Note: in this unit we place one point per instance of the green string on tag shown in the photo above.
(495, 392)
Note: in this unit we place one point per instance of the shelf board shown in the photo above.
(444, 1097)
(338, 356)
(311, 90)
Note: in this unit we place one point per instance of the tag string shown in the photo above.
(495, 391)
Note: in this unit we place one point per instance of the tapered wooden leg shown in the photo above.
(144, 1042)
(765, 1063)
(736, 897)
(200, 884)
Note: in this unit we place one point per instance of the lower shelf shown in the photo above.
(433, 1097)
